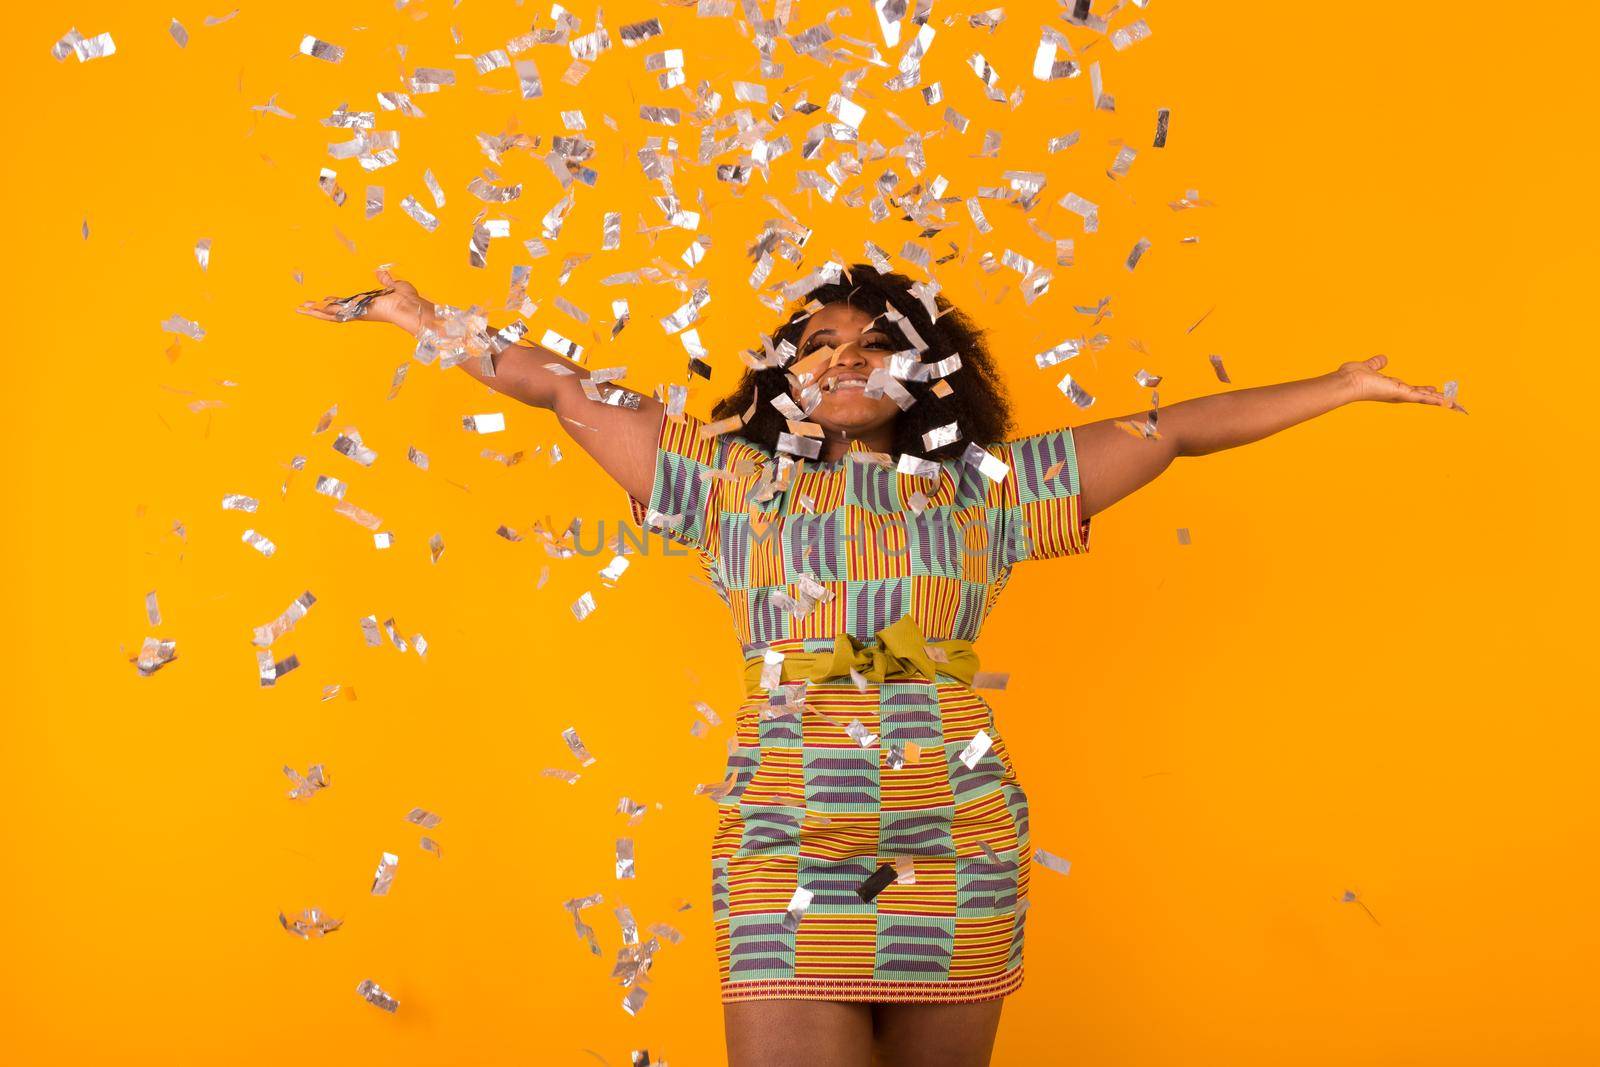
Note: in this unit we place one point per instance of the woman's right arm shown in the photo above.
(621, 439)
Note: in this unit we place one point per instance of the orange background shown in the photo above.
(1364, 673)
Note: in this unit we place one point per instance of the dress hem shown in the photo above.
(874, 990)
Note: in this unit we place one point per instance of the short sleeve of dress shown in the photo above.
(1043, 517)
(686, 493)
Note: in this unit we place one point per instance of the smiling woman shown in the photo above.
(879, 315)
(871, 862)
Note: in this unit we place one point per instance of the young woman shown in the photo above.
(860, 508)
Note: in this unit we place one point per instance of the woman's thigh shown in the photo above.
(936, 1035)
(798, 1033)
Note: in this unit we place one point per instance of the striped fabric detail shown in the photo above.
(804, 805)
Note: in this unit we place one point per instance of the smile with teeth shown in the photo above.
(835, 384)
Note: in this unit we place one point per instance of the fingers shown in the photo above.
(1377, 362)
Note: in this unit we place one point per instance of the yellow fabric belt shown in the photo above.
(901, 652)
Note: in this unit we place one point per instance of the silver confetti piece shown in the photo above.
(373, 994)
(260, 542)
(310, 923)
(1051, 862)
(179, 34)
(575, 743)
(202, 252)
(187, 327)
(308, 785)
(975, 750)
(428, 844)
(989, 465)
(584, 606)
(1138, 252)
(494, 422)
(1075, 392)
(1222, 373)
(310, 46)
(383, 878)
(152, 609)
(423, 818)
(421, 215)
(625, 857)
(798, 903)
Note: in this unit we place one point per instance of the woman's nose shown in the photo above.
(852, 355)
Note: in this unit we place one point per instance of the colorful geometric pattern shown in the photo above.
(807, 807)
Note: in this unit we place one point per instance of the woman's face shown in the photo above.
(858, 347)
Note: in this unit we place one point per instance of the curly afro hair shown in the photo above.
(977, 403)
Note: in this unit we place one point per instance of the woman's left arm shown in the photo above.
(1113, 462)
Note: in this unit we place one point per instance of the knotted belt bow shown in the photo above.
(901, 651)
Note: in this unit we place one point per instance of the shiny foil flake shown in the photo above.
(423, 817)
(1087, 210)
(625, 857)
(417, 457)
(303, 787)
(310, 923)
(1139, 249)
(987, 463)
(635, 34)
(264, 636)
(1046, 67)
(1183, 535)
(382, 541)
(634, 1001)
(74, 43)
(528, 82)
(494, 422)
(421, 215)
(570, 777)
(349, 444)
(976, 749)
(1130, 35)
(310, 46)
(798, 903)
(917, 467)
(260, 542)
(860, 734)
(1050, 861)
(179, 34)
(434, 188)
(1103, 101)
(268, 671)
(428, 844)
(435, 548)
(187, 327)
(876, 883)
(152, 609)
(202, 252)
(1222, 373)
(1146, 379)
(383, 878)
(1163, 117)
(940, 436)
(373, 994)
(154, 654)
(1061, 144)
(575, 743)
(1075, 392)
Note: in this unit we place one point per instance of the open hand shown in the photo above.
(1366, 382)
(397, 303)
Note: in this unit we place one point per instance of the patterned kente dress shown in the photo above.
(850, 547)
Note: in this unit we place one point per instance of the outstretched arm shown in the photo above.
(1114, 460)
(621, 439)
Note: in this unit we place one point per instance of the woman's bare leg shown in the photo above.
(936, 1035)
(798, 1033)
